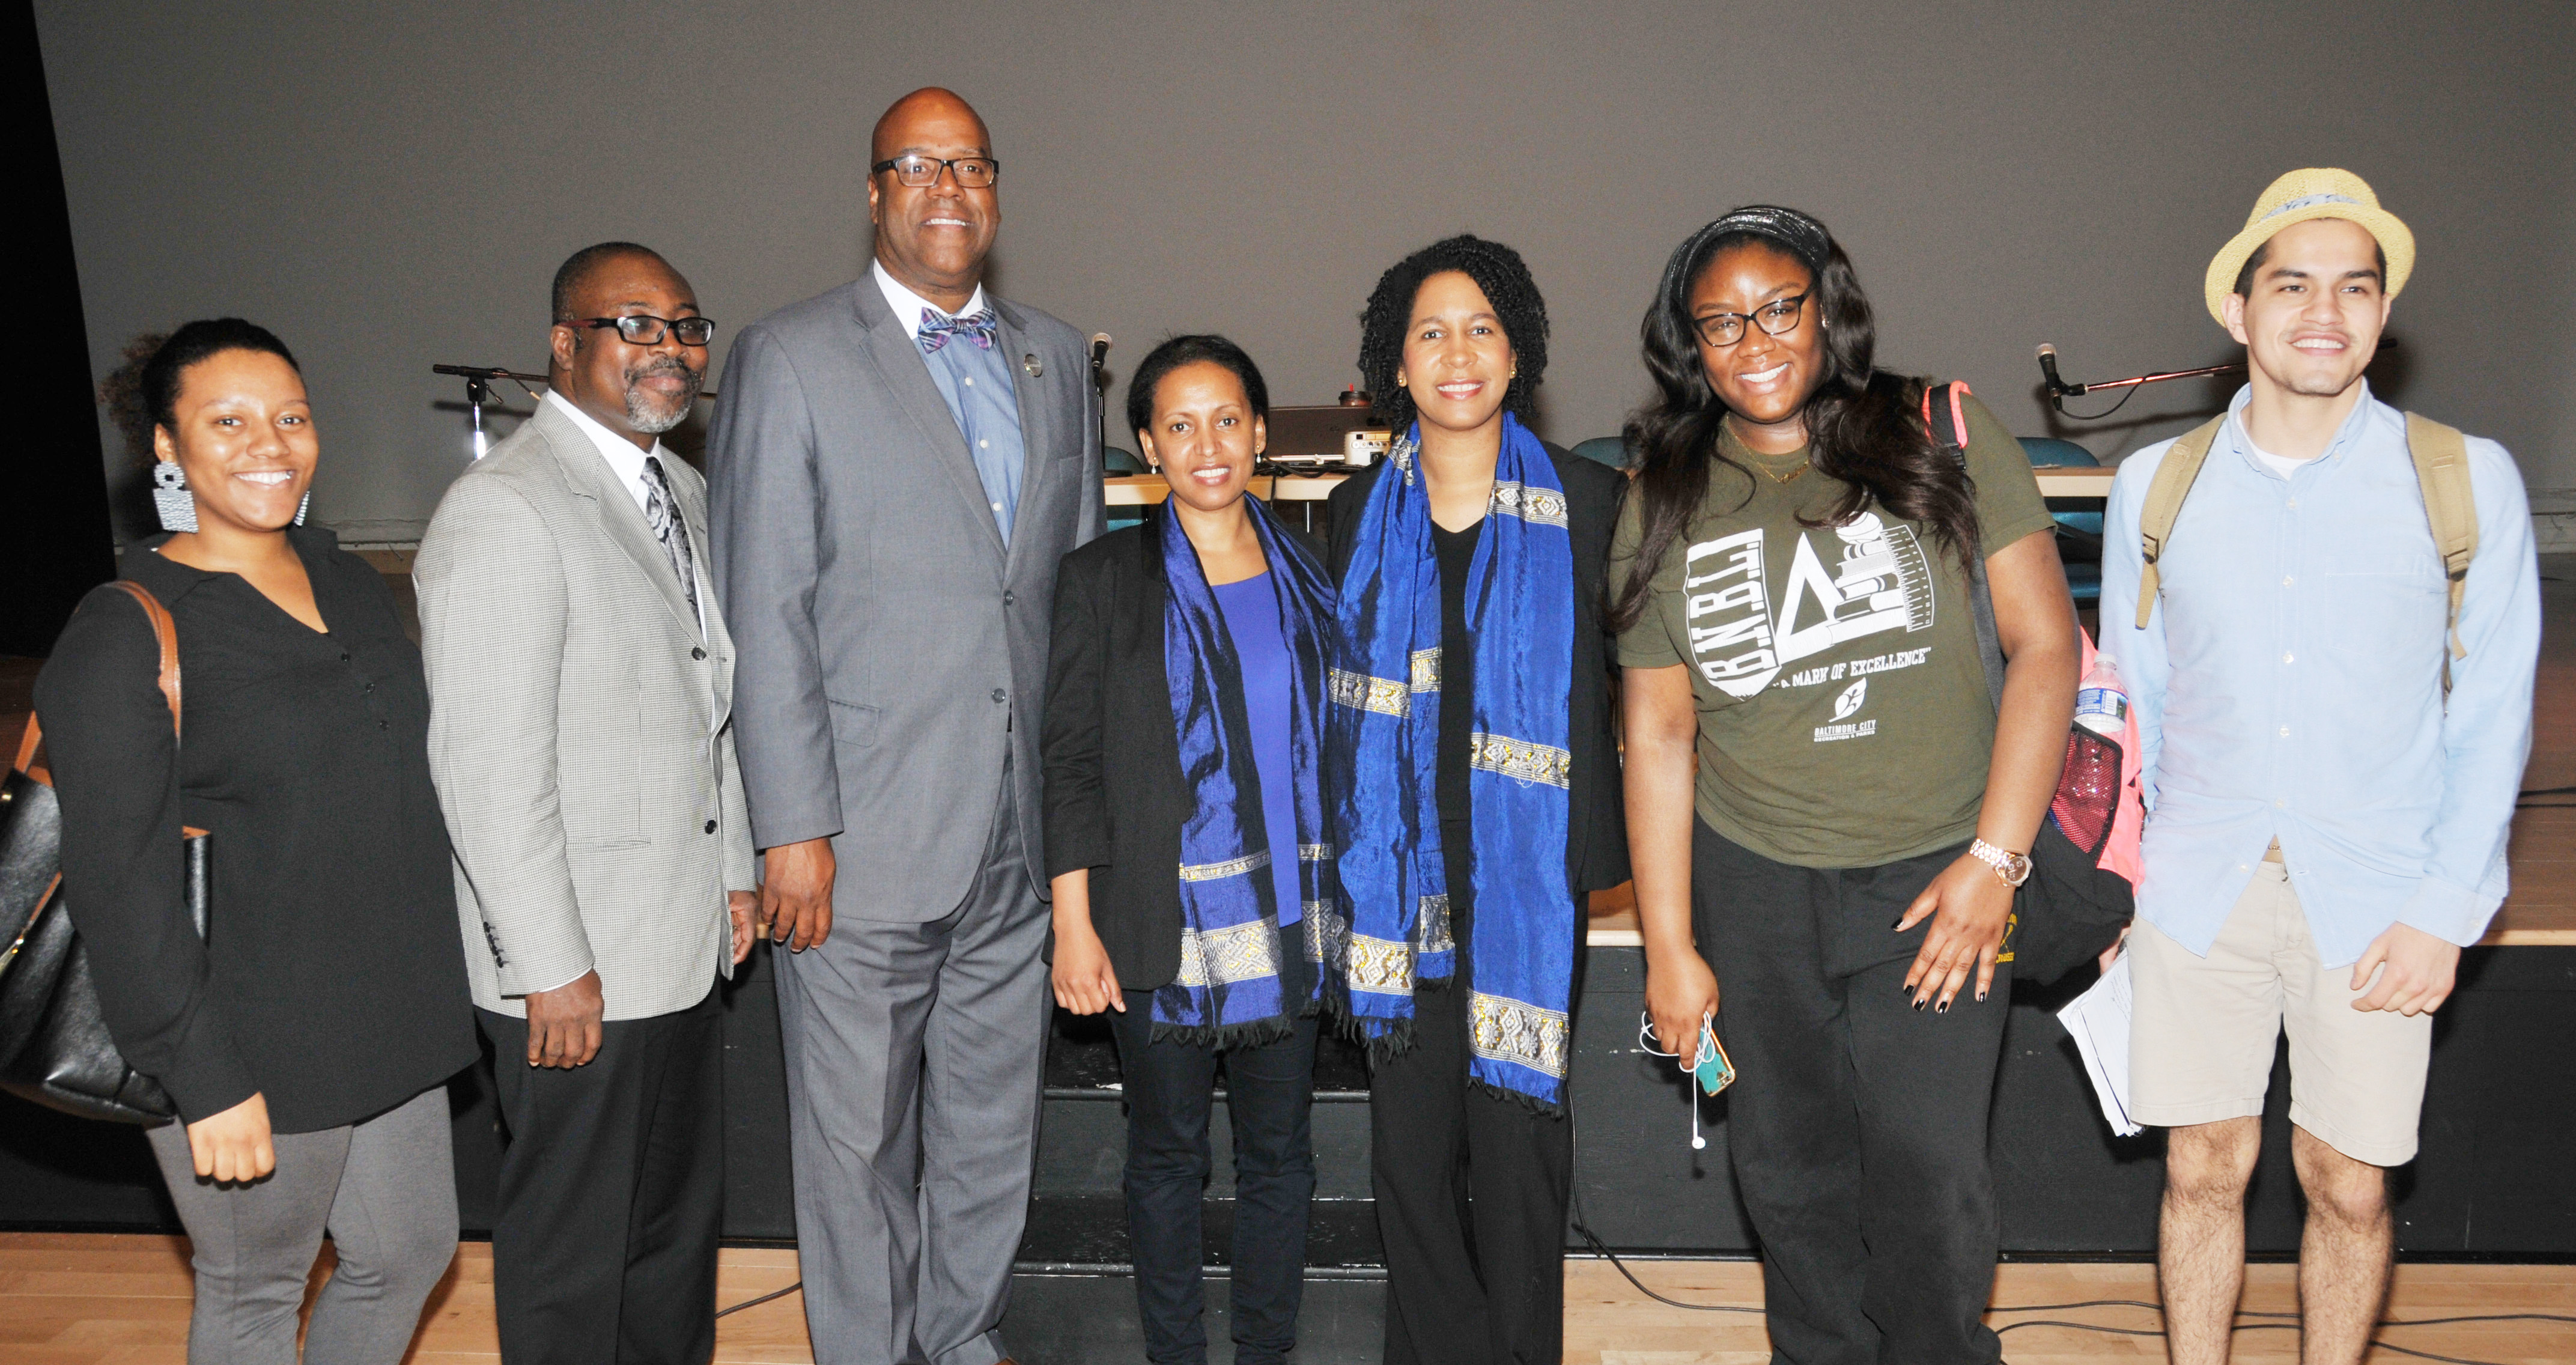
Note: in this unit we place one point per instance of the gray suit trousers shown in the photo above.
(914, 1062)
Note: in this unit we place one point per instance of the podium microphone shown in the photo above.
(1100, 387)
(2057, 388)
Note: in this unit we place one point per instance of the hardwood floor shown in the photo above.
(95, 1299)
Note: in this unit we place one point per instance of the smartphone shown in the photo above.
(1710, 1063)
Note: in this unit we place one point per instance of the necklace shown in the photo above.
(1794, 471)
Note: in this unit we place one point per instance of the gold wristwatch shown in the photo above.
(2014, 868)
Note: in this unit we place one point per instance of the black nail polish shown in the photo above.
(1900, 923)
(1918, 1005)
(1981, 997)
(1942, 1008)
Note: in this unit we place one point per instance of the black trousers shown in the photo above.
(1269, 1092)
(1471, 1190)
(1857, 1124)
(612, 1193)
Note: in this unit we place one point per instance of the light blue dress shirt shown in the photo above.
(981, 395)
(2289, 686)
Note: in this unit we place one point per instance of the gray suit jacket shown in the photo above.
(578, 730)
(892, 650)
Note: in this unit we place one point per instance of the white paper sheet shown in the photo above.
(2098, 1021)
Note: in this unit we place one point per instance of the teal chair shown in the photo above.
(1119, 462)
(1604, 450)
(2079, 520)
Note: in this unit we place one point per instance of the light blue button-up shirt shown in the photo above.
(2289, 686)
(976, 381)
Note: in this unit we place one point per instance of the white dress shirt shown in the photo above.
(622, 456)
(907, 305)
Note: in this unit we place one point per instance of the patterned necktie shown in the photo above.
(938, 327)
(662, 513)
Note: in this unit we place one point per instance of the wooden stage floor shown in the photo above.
(97, 1299)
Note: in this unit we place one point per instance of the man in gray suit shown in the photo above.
(581, 684)
(896, 467)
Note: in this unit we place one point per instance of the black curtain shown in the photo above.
(55, 542)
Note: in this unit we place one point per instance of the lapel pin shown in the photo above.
(1030, 363)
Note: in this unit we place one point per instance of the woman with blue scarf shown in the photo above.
(1474, 786)
(1187, 843)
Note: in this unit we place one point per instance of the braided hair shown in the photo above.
(1861, 420)
(1496, 269)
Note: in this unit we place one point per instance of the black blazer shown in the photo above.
(1114, 796)
(1596, 839)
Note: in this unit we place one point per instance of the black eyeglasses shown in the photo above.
(644, 329)
(1778, 318)
(922, 172)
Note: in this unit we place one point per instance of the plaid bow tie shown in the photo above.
(938, 327)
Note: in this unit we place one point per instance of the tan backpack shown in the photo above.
(2441, 469)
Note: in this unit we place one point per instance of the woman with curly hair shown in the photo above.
(1825, 796)
(1474, 785)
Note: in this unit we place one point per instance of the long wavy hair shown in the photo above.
(1863, 423)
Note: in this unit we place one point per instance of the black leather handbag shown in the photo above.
(54, 1044)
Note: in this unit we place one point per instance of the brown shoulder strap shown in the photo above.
(2442, 468)
(164, 631)
(2164, 505)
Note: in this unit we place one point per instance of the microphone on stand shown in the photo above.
(1100, 386)
(2057, 388)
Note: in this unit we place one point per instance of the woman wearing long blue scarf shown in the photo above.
(1187, 843)
(1475, 792)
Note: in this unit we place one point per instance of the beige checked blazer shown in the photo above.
(580, 730)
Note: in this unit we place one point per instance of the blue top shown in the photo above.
(1251, 610)
(976, 381)
(2289, 686)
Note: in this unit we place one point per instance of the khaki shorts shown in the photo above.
(2203, 1031)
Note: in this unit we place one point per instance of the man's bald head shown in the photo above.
(574, 277)
(636, 389)
(932, 237)
(904, 122)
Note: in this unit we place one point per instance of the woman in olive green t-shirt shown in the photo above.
(1823, 800)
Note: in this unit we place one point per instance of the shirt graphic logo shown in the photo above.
(1851, 699)
(1881, 581)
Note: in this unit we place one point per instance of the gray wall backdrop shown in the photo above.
(391, 185)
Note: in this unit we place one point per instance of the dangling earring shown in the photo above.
(303, 507)
(171, 498)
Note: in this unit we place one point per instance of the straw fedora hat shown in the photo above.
(2318, 192)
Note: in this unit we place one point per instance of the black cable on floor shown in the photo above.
(755, 1303)
(1583, 1228)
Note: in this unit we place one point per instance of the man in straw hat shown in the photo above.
(2324, 833)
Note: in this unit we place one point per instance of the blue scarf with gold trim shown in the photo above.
(1229, 990)
(1383, 739)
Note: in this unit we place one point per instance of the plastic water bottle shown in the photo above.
(2102, 701)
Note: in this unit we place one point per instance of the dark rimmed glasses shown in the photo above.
(644, 329)
(1777, 318)
(922, 172)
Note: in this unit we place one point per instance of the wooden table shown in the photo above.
(1140, 490)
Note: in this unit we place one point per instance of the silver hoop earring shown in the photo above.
(171, 498)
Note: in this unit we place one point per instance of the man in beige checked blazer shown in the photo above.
(581, 688)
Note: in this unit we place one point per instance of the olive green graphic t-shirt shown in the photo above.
(1843, 714)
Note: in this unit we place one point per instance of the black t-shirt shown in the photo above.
(1455, 550)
